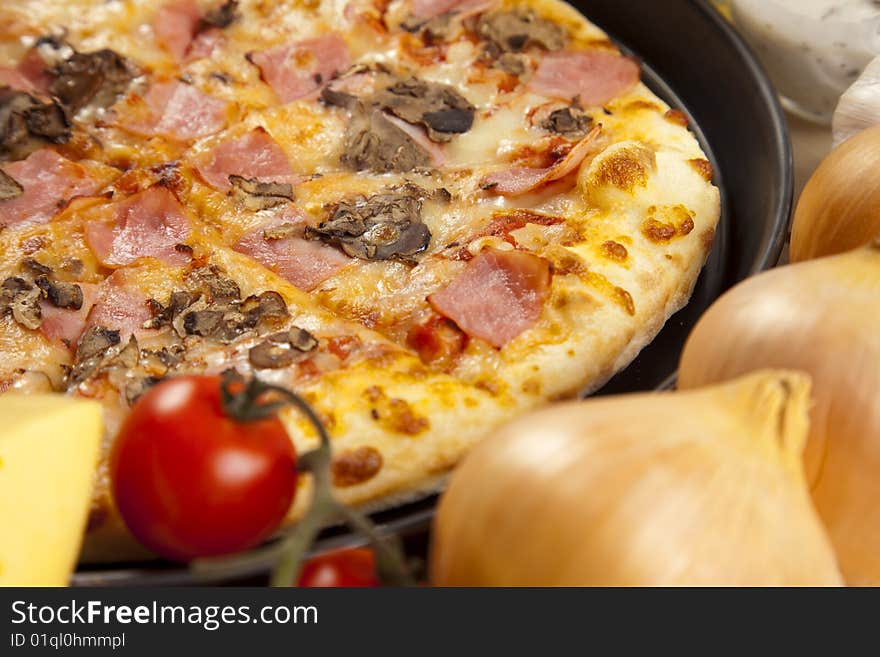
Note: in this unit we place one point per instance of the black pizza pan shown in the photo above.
(694, 60)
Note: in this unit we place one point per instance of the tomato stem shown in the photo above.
(251, 401)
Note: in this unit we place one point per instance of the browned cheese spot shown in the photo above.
(666, 223)
(565, 263)
(560, 300)
(615, 251)
(353, 467)
(394, 414)
(626, 300)
(626, 169)
(704, 168)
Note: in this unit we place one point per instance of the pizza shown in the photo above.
(426, 217)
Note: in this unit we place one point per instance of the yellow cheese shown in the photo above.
(48, 451)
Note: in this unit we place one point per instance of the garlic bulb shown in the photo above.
(859, 107)
(697, 488)
(839, 209)
(822, 317)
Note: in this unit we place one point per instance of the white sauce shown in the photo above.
(812, 49)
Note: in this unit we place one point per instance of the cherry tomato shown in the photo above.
(354, 567)
(190, 481)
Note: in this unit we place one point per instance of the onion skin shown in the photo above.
(822, 317)
(699, 488)
(839, 209)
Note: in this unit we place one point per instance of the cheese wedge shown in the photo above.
(48, 452)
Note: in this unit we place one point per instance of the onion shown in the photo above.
(697, 488)
(839, 209)
(859, 106)
(822, 317)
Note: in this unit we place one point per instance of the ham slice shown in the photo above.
(428, 9)
(148, 224)
(205, 44)
(175, 26)
(68, 325)
(49, 182)
(498, 296)
(12, 77)
(30, 75)
(120, 307)
(296, 70)
(304, 263)
(595, 77)
(253, 155)
(518, 181)
(173, 109)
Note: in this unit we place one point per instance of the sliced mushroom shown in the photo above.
(516, 30)
(130, 354)
(220, 17)
(35, 268)
(439, 107)
(373, 143)
(61, 294)
(380, 227)
(211, 281)
(27, 124)
(9, 187)
(282, 349)
(95, 342)
(212, 308)
(256, 195)
(265, 310)
(48, 121)
(301, 339)
(158, 361)
(91, 351)
(386, 241)
(338, 98)
(134, 390)
(570, 122)
(262, 312)
(96, 78)
(272, 355)
(13, 286)
(512, 63)
(220, 325)
(439, 28)
(26, 310)
(22, 299)
(165, 315)
(211, 324)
